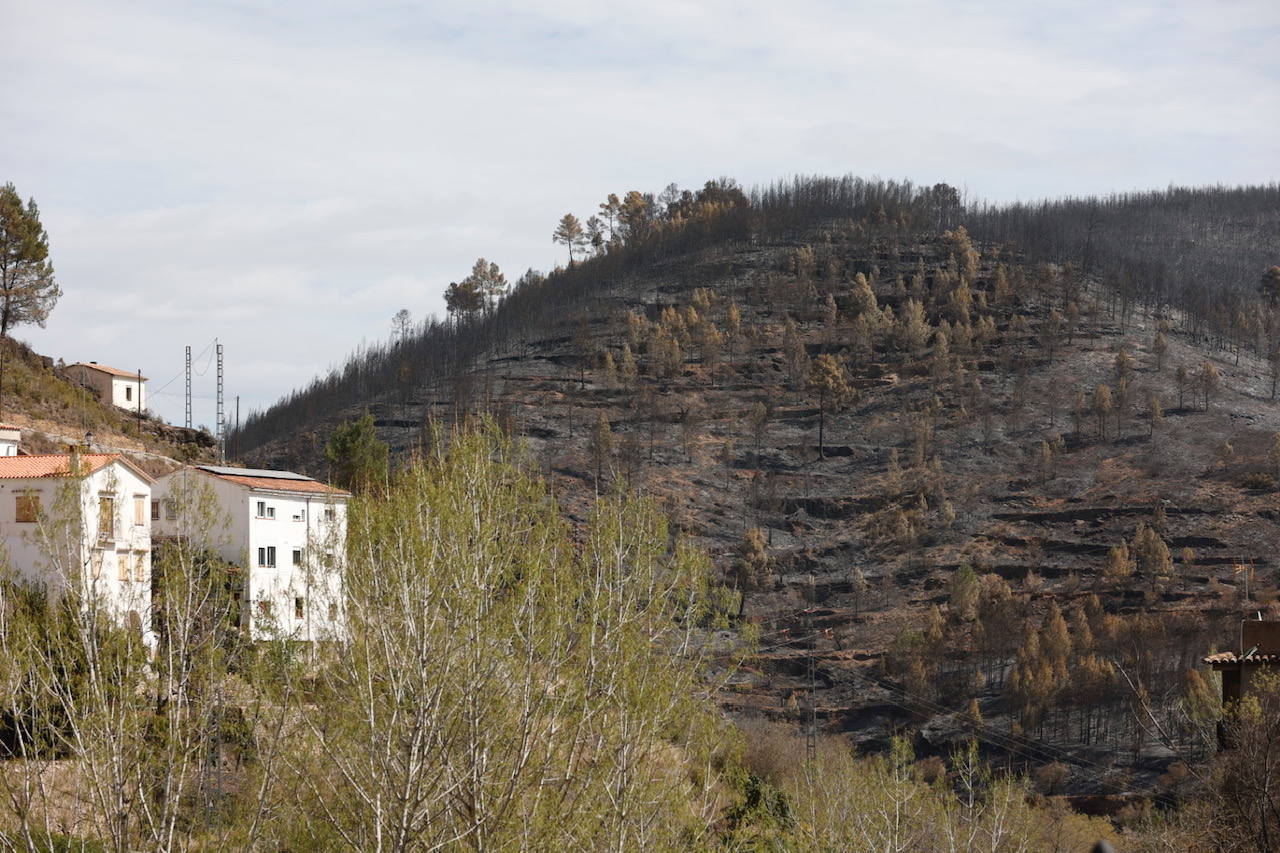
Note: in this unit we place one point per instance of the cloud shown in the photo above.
(286, 175)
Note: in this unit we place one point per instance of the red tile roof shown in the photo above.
(113, 371)
(51, 465)
(1232, 657)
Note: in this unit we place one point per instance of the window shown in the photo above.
(330, 513)
(122, 567)
(300, 515)
(155, 510)
(128, 392)
(297, 556)
(299, 607)
(139, 509)
(333, 612)
(26, 509)
(106, 518)
(267, 557)
(139, 566)
(265, 511)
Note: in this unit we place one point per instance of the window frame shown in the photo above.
(106, 518)
(30, 500)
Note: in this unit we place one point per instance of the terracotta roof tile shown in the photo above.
(51, 465)
(1232, 657)
(114, 371)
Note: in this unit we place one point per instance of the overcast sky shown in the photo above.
(285, 175)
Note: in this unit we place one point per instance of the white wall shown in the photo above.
(126, 392)
(51, 550)
(239, 534)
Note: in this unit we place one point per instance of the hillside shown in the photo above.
(944, 559)
(54, 411)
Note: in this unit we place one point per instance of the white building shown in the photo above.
(82, 516)
(122, 388)
(288, 532)
(10, 438)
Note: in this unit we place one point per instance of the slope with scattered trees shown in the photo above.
(962, 488)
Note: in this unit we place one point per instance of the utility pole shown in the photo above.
(235, 452)
(139, 404)
(222, 418)
(188, 387)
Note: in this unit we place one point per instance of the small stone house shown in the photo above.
(122, 388)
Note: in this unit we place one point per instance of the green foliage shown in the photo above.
(28, 291)
(503, 684)
(358, 459)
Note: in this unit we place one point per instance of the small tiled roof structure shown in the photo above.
(273, 481)
(111, 371)
(1232, 657)
(59, 465)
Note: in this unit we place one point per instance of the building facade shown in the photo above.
(287, 532)
(112, 385)
(81, 518)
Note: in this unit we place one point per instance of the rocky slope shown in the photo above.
(968, 452)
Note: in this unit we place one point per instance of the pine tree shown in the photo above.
(828, 378)
(28, 291)
(962, 597)
(1119, 565)
(1160, 348)
(1102, 407)
(358, 459)
(627, 368)
(795, 355)
(569, 233)
(732, 327)
(752, 565)
(1209, 379)
(601, 446)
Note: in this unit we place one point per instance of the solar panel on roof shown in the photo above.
(251, 472)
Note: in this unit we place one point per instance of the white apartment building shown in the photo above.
(286, 531)
(82, 516)
(122, 388)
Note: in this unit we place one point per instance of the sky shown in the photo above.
(285, 175)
